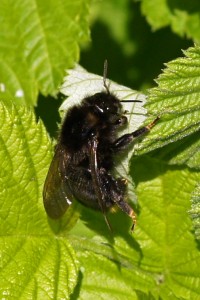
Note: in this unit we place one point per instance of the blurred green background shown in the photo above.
(135, 53)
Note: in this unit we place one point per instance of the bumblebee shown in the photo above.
(83, 162)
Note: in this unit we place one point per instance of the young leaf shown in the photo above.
(38, 40)
(35, 263)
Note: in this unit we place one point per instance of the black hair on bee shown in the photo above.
(84, 156)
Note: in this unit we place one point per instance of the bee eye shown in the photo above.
(121, 121)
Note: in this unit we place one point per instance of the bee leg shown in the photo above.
(96, 175)
(122, 142)
(108, 190)
(116, 189)
(122, 184)
(125, 207)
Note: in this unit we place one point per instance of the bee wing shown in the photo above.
(57, 196)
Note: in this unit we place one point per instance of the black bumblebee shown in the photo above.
(84, 157)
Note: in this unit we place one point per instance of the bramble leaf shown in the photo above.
(177, 101)
(35, 263)
(35, 46)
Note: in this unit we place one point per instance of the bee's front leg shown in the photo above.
(122, 142)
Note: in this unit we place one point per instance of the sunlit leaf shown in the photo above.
(36, 46)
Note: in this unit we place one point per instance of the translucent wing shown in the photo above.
(57, 196)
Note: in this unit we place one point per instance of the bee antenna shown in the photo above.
(105, 71)
(130, 101)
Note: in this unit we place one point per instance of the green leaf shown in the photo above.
(38, 41)
(165, 231)
(182, 16)
(183, 152)
(176, 101)
(35, 263)
(155, 19)
(195, 211)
